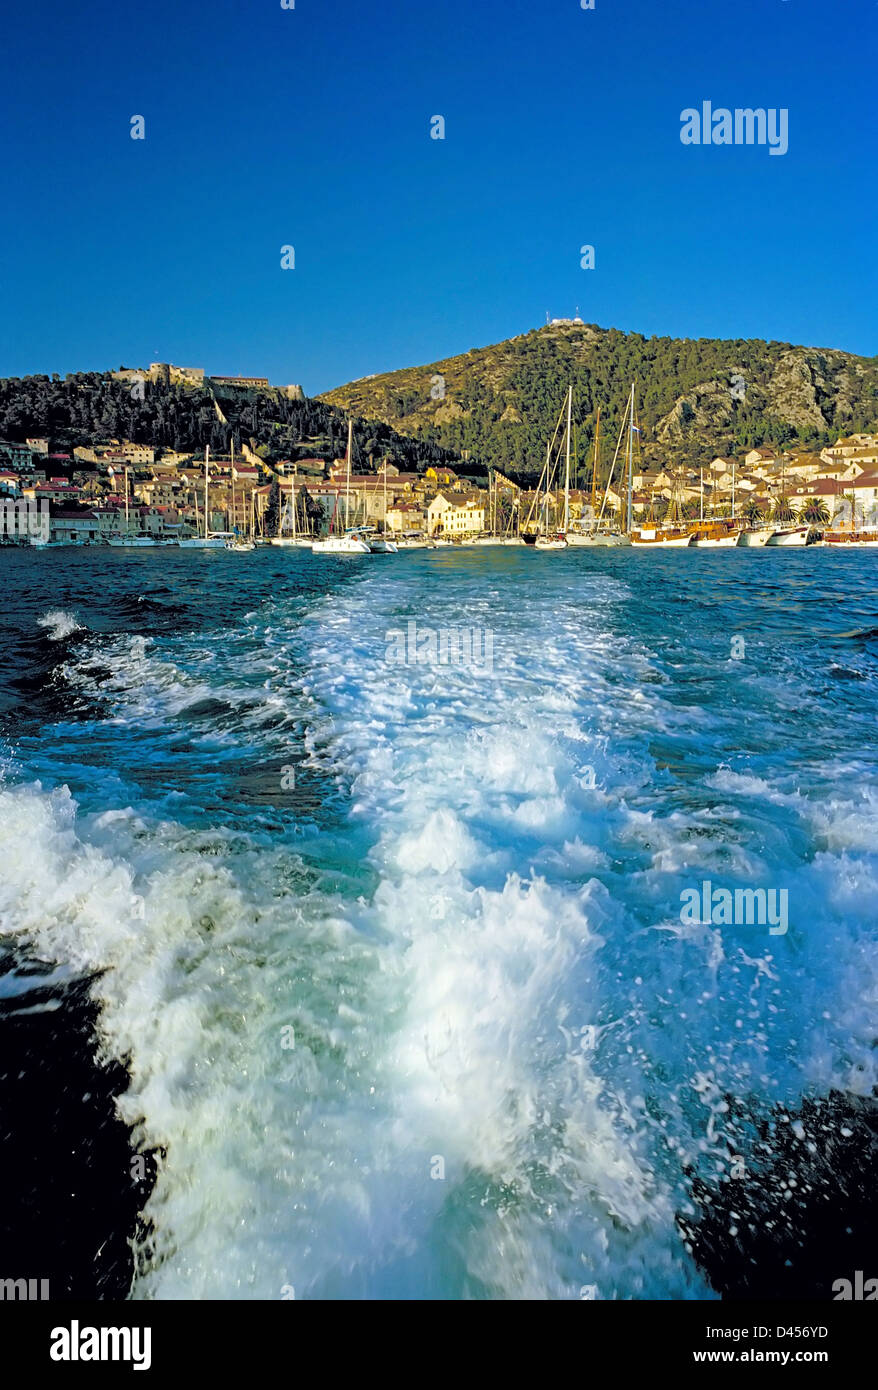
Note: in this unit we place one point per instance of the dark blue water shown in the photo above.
(388, 955)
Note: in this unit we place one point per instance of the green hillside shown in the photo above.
(696, 397)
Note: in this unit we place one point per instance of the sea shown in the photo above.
(342, 943)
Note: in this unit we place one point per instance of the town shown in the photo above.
(124, 492)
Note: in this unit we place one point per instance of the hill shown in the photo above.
(91, 407)
(696, 397)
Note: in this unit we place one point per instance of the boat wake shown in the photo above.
(428, 1022)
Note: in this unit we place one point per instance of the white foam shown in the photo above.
(505, 882)
(59, 624)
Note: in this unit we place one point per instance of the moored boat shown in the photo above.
(713, 534)
(755, 536)
(582, 537)
(340, 545)
(215, 540)
(351, 541)
(788, 535)
(850, 540)
(660, 538)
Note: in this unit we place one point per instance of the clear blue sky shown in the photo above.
(310, 127)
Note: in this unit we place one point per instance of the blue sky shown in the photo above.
(310, 127)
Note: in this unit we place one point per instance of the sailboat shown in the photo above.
(350, 543)
(556, 540)
(215, 540)
(495, 536)
(599, 533)
(237, 542)
(288, 514)
(127, 540)
(716, 533)
(379, 544)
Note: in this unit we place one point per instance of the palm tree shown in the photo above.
(752, 512)
(815, 511)
(782, 510)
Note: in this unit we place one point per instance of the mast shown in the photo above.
(234, 524)
(733, 489)
(295, 471)
(567, 464)
(701, 501)
(206, 468)
(630, 458)
(126, 500)
(594, 476)
(347, 499)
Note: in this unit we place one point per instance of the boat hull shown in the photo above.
(755, 537)
(608, 539)
(795, 535)
(340, 545)
(846, 540)
(659, 542)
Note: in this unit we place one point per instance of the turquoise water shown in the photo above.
(393, 950)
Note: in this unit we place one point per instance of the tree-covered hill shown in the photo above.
(695, 397)
(91, 407)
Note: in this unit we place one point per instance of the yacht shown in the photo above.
(583, 537)
(755, 535)
(414, 540)
(788, 535)
(351, 541)
(348, 544)
(214, 540)
(661, 538)
(292, 537)
(208, 540)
